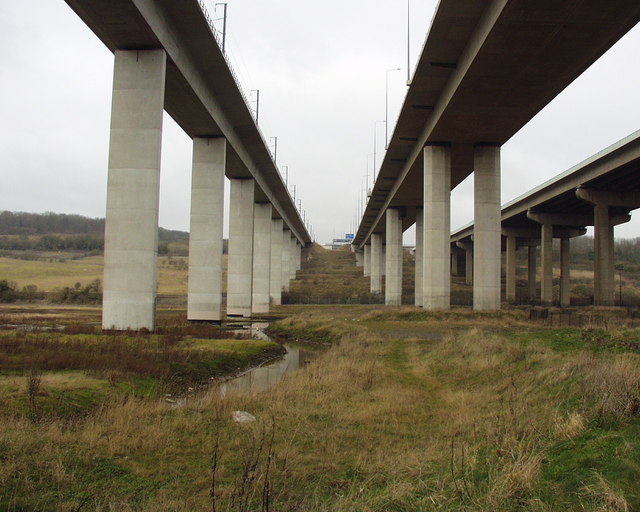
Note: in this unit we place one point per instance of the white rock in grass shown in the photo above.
(242, 417)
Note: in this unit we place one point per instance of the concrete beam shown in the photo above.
(240, 260)
(205, 235)
(131, 227)
(620, 199)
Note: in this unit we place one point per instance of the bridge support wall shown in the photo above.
(131, 227)
(205, 236)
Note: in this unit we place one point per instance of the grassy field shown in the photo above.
(409, 411)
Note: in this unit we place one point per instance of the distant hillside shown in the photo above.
(22, 231)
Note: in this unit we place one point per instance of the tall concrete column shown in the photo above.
(205, 236)
(293, 265)
(261, 258)
(384, 260)
(131, 228)
(546, 262)
(419, 258)
(275, 276)
(359, 255)
(376, 263)
(531, 273)
(367, 260)
(467, 247)
(299, 255)
(240, 261)
(565, 271)
(286, 256)
(511, 270)
(437, 227)
(604, 270)
(487, 229)
(393, 263)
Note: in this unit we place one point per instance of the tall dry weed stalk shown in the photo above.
(253, 489)
(34, 381)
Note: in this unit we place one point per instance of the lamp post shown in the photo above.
(275, 148)
(257, 91)
(286, 175)
(224, 24)
(386, 109)
(408, 42)
(375, 133)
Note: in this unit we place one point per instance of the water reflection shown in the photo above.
(264, 377)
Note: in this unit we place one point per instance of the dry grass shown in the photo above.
(458, 418)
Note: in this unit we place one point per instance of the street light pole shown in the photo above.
(224, 24)
(375, 136)
(386, 109)
(275, 148)
(286, 175)
(257, 91)
(408, 42)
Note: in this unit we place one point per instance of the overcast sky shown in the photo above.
(320, 68)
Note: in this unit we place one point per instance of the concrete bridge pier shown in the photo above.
(367, 260)
(359, 259)
(275, 275)
(205, 234)
(467, 247)
(131, 227)
(261, 284)
(510, 281)
(376, 263)
(240, 261)
(609, 209)
(487, 240)
(436, 226)
(565, 271)
(532, 288)
(293, 264)
(419, 259)
(393, 263)
(286, 257)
